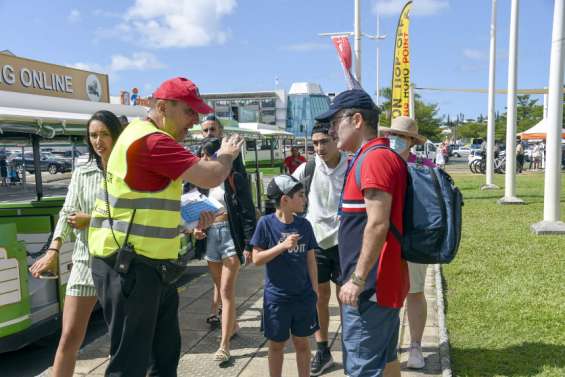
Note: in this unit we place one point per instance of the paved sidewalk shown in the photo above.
(249, 351)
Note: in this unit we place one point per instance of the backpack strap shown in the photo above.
(392, 228)
(360, 160)
(308, 175)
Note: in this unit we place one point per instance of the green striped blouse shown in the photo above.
(85, 184)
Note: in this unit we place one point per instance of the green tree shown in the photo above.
(528, 112)
(426, 115)
(472, 131)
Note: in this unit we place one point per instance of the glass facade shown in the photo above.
(262, 110)
(302, 109)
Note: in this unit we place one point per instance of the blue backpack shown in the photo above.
(432, 213)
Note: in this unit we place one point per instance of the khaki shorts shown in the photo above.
(417, 274)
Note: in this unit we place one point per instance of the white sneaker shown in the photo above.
(416, 358)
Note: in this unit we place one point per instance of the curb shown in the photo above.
(444, 354)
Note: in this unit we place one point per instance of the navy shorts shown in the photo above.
(369, 338)
(298, 318)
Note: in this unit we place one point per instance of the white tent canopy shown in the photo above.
(538, 132)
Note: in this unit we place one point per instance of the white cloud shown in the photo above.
(474, 54)
(483, 55)
(305, 47)
(139, 61)
(419, 7)
(176, 23)
(74, 16)
(92, 67)
(105, 13)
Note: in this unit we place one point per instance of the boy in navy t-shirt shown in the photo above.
(286, 244)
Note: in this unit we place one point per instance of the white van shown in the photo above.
(426, 150)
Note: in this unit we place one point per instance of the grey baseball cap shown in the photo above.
(281, 185)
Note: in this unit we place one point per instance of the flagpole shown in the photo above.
(510, 173)
(551, 223)
(489, 185)
(357, 41)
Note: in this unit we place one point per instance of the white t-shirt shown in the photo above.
(323, 200)
(218, 193)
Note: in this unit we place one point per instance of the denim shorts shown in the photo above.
(369, 338)
(219, 244)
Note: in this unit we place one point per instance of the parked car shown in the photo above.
(81, 160)
(461, 152)
(427, 150)
(66, 154)
(474, 154)
(47, 163)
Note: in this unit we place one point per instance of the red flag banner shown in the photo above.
(341, 43)
(343, 48)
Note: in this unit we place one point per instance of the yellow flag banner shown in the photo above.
(401, 66)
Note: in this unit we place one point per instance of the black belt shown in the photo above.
(169, 270)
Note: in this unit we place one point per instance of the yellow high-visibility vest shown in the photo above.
(154, 231)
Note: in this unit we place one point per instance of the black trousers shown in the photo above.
(520, 162)
(142, 317)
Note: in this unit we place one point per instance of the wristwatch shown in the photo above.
(357, 280)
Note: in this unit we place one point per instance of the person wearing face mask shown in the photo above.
(134, 229)
(403, 135)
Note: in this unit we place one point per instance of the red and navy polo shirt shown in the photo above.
(382, 170)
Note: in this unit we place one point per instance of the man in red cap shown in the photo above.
(134, 231)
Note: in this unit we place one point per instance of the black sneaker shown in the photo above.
(321, 361)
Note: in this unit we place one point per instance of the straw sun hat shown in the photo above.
(404, 126)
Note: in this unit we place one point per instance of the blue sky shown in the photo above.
(241, 45)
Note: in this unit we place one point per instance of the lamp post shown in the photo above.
(551, 223)
(357, 34)
(378, 37)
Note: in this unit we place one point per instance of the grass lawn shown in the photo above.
(506, 288)
(268, 172)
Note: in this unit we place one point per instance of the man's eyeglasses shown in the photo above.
(210, 129)
(335, 121)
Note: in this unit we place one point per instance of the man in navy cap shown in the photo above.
(375, 277)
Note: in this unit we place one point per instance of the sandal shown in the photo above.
(213, 320)
(222, 356)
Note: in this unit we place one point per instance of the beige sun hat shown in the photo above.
(404, 126)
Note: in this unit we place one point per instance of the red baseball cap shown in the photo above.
(184, 90)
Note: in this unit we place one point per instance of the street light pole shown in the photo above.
(489, 185)
(357, 34)
(551, 223)
(378, 37)
(510, 173)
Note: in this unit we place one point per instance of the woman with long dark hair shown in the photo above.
(103, 130)
(227, 243)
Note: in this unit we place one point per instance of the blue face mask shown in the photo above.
(397, 143)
